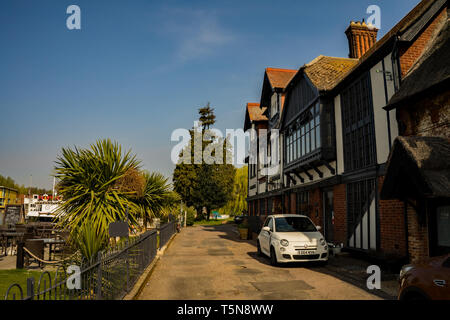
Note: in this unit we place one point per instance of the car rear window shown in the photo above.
(294, 224)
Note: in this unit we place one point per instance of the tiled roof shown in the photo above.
(279, 78)
(422, 163)
(400, 28)
(255, 112)
(431, 70)
(325, 72)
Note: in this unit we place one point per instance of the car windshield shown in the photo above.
(294, 224)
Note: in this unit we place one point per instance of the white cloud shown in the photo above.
(196, 33)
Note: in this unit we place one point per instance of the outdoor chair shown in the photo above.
(36, 247)
(12, 240)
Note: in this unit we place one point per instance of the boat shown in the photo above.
(42, 207)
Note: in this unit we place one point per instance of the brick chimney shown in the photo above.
(361, 37)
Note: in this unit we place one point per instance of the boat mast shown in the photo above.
(53, 191)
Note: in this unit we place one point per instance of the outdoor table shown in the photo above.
(11, 235)
(50, 242)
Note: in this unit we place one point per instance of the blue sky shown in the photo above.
(139, 69)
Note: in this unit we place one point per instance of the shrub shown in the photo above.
(190, 216)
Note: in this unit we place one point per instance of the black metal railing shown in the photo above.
(111, 275)
(165, 232)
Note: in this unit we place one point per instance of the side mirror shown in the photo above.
(266, 229)
(318, 228)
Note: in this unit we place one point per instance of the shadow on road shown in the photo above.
(335, 267)
(230, 232)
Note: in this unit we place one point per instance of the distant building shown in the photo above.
(7, 196)
(265, 190)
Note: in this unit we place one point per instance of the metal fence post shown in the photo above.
(99, 276)
(128, 264)
(20, 255)
(158, 235)
(30, 288)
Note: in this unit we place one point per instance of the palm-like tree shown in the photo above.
(90, 182)
(157, 198)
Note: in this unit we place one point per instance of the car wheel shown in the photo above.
(258, 246)
(273, 257)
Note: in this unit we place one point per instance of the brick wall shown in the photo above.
(392, 225)
(286, 204)
(277, 204)
(340, 214)
(429, 116)
(293, 203)
(409, 55)
(315, 203)
(417, 237)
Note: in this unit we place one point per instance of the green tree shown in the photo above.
(206, 184)
(207, 116)
(10, 183)
(95, 193)
(156, 199)
(238, 203)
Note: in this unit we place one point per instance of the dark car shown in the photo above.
(427, 280)
(240, 219)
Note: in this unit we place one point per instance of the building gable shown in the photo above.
(300, 94)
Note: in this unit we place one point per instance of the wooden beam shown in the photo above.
(329, 167)
(292, 179)
(307, 173)
(299, 176)
(320, 173)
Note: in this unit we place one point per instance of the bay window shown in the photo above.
(303, 136)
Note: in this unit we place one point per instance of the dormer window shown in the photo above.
(274, 105)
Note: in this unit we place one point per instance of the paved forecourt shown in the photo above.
(210, 262)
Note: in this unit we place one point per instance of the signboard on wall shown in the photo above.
(118, 229)
(13, 214)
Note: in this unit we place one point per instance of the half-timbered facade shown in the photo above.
(268, 183)
(418, 168)
(257, 122)
(310, 168)
(337, 134)
(365, 132)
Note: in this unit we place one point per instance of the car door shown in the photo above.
(441, 281)
(265, 236)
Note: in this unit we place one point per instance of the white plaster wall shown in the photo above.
(251, 182)
(339, 138)
(380, 115)
(391, 90)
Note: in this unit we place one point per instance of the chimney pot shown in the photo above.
(361, 37)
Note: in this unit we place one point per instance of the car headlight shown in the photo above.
(405, 269)
(323, 242)
(284, 242)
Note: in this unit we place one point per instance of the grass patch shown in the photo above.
(19, 276)
(212, 222)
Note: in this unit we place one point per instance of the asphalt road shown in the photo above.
(210, 262)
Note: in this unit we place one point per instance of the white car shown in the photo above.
(291, 238)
